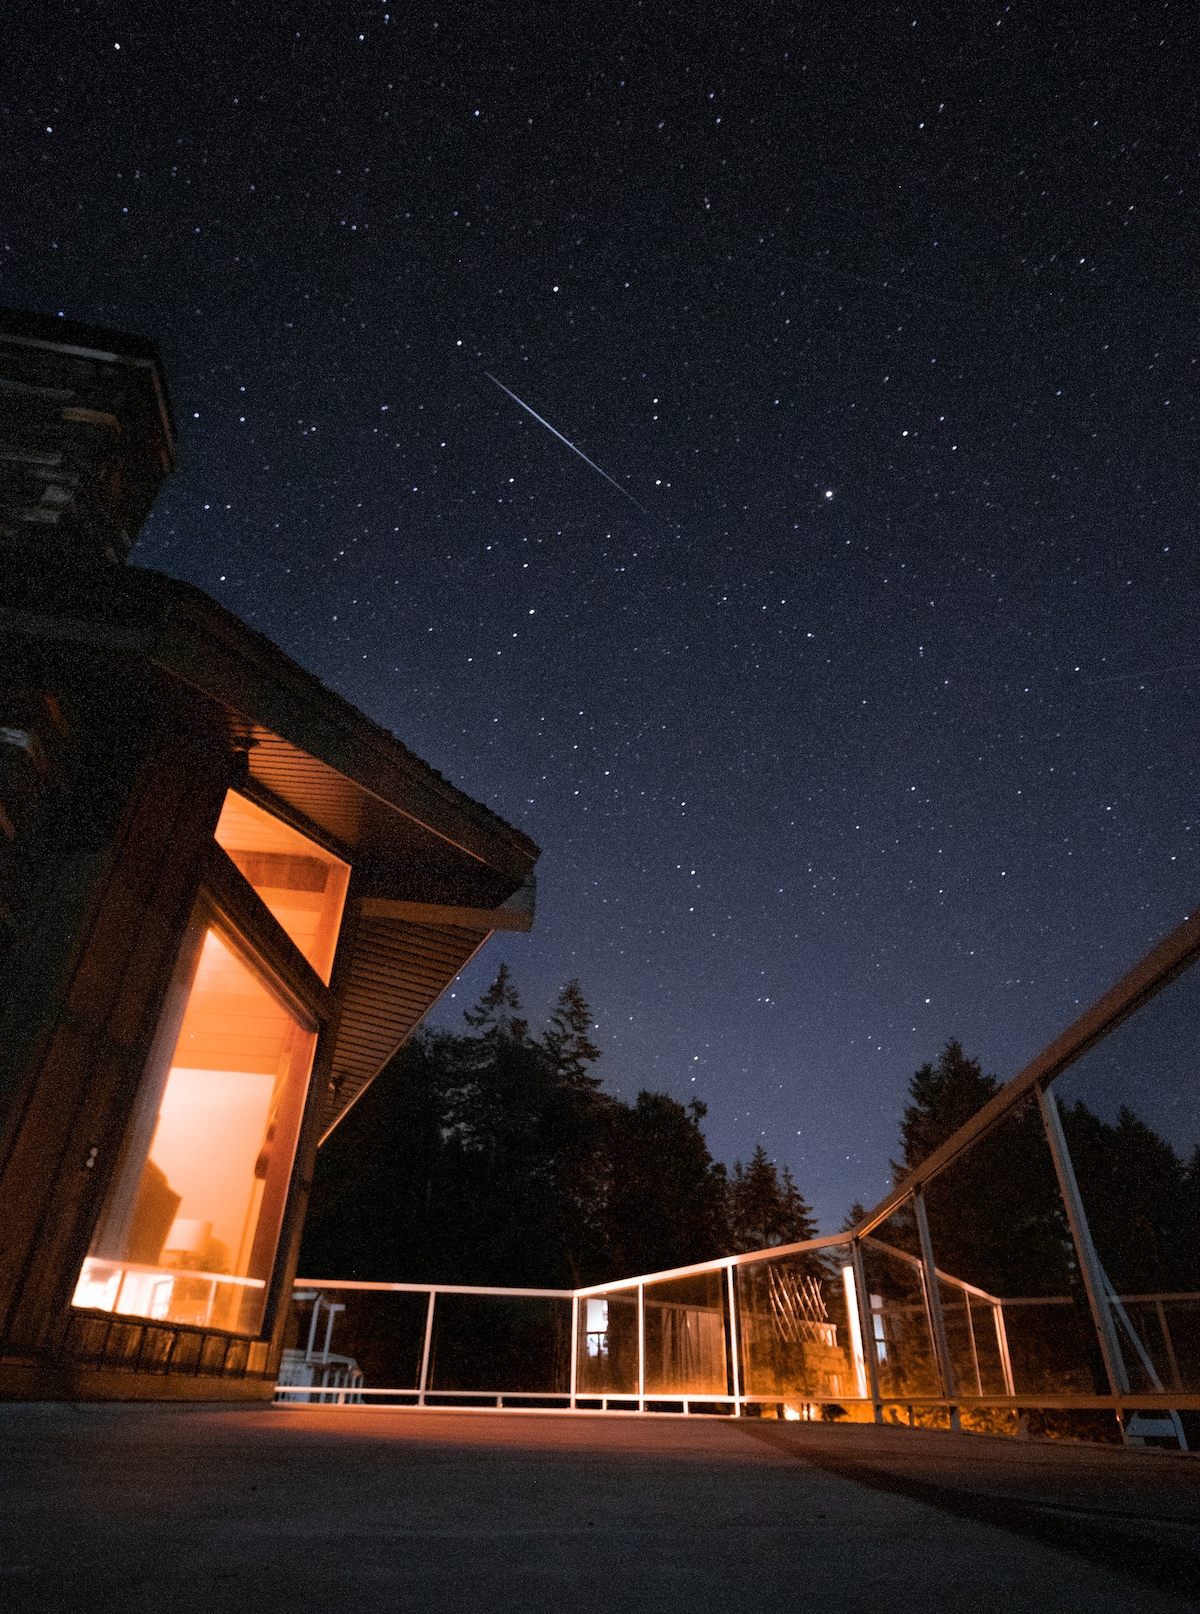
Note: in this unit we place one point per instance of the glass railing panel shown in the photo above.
(349, 1340)
(898, 1335)
(501, 1343)
(1169, 1327)
(686, 1326)
(798, 1334)
(1130, 1112)
(975, 1336)
(607, 1360)
(995, 1215)
(960, 1338)
(990, 1346)
(1052, 1347)
(998, 1223)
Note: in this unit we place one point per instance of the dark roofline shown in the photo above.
(191, 637)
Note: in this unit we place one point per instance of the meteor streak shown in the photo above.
(565, 440)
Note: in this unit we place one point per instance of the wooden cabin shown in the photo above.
(226, 899)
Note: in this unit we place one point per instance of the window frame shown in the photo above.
(264, 946)
(227, 903)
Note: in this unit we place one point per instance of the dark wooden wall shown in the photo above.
(104, 886)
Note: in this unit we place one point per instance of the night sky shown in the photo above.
(878, 726)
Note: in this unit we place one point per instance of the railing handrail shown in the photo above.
(432, 1288)
(599, 1290)
(1148, 976)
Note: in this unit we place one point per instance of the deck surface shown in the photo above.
(141, 1509)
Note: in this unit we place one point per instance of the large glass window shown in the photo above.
(302, 884)
(190, 1226)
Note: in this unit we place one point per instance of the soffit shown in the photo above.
(396, 973)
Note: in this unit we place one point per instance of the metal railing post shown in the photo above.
(933, 1304)
(574, 1349)
(974, 1347)
(641, 1347)
(1092, 1273)
(1176, 1381)
(866, 1327)
(312, 1327)
(1002, 1346)
(425, 1349)
(734, 1344)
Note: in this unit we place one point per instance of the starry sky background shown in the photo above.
(878, 727)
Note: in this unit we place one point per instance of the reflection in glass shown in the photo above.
(316, 1364)
(685, 1336)
(348, 1339)
(192, 1217)
(607, 1361)
(905, 1360)
(976, 1338)
(799, 1337)
(1052, 1346)
(854, 1332)
(302, 884)
(501, 1343)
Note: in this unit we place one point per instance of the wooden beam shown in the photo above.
(261, 940)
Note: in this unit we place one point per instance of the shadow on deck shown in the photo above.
(308, 1508)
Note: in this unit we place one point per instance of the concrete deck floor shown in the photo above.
(186, 1509)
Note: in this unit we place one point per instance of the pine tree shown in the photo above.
(943, 1097)
(665, 1204)
(995, 1216)
(568, 1042)
(764, 1209)
(797, 1222)
(497, 1012)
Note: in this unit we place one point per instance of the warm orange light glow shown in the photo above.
(856, 1339)
(302, 884)
(192, 1218)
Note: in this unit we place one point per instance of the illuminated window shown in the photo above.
(191, 1223)
(302, 884)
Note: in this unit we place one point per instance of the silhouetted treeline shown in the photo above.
(495, 1158)
(996, 1216)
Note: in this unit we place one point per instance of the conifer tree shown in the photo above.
(496, 1158)
(568, 1041)
(943, 1096)
(995, 1215)
(497, 1012)
(665, 1200)
(765, 1208)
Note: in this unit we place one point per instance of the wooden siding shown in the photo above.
(397, 972)
(83, 1078)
